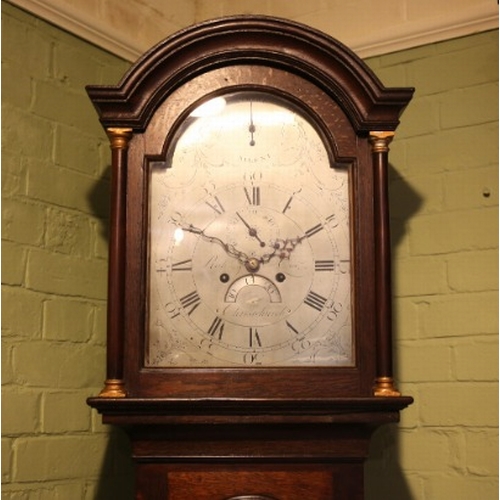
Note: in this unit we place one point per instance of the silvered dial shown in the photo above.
(249, 242)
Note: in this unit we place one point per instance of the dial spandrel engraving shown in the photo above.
(249, 242)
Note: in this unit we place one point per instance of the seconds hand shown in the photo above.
(251, 127)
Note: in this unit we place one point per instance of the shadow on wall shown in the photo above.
(99, 199)
(404, 203)
(384, 478)
(116, 481)
(117, 474)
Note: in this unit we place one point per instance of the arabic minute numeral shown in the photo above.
(251, 358)
(332, 220)
(172, 310)
(344, 266)
(335, 310)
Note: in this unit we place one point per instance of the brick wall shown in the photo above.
(54, 188)
(444, 196)
(54, 185)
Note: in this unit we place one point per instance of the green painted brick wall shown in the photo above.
(55, 160)
(444, 201)
(444, 196)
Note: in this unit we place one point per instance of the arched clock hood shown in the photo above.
(280, 43)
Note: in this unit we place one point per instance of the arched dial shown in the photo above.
(249, 242)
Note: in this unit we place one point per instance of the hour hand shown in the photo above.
(283, 248)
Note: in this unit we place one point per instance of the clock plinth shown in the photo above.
(249, 331)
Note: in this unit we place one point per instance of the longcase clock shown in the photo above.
(249, 312)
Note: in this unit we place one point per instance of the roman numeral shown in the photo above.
(324, 265)
(192, 300)
(216, 328)
(253, 197)
(294, 330)
(288, 204)
(254, 338)
(316, 229)
(183, 265)
(315, 300)
(217, 206)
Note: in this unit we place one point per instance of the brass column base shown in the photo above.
(384, 387)
(113, 388)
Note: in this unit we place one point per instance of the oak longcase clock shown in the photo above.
(249, 308)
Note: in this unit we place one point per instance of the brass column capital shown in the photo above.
(380, 141)
(119, 137)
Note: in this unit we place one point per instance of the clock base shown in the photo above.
(255, 482)
(226, 449)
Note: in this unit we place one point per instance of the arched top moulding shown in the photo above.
(259, 40)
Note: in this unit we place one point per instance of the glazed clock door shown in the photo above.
(247, 257)
(249, 241)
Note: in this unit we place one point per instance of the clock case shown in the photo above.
(357, 117)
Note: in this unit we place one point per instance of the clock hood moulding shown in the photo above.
(270, 41)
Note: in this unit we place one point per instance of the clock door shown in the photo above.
(247, 258)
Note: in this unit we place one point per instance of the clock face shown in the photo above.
(249, 242)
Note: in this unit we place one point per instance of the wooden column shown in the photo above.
(384, 383)
(114, 388)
